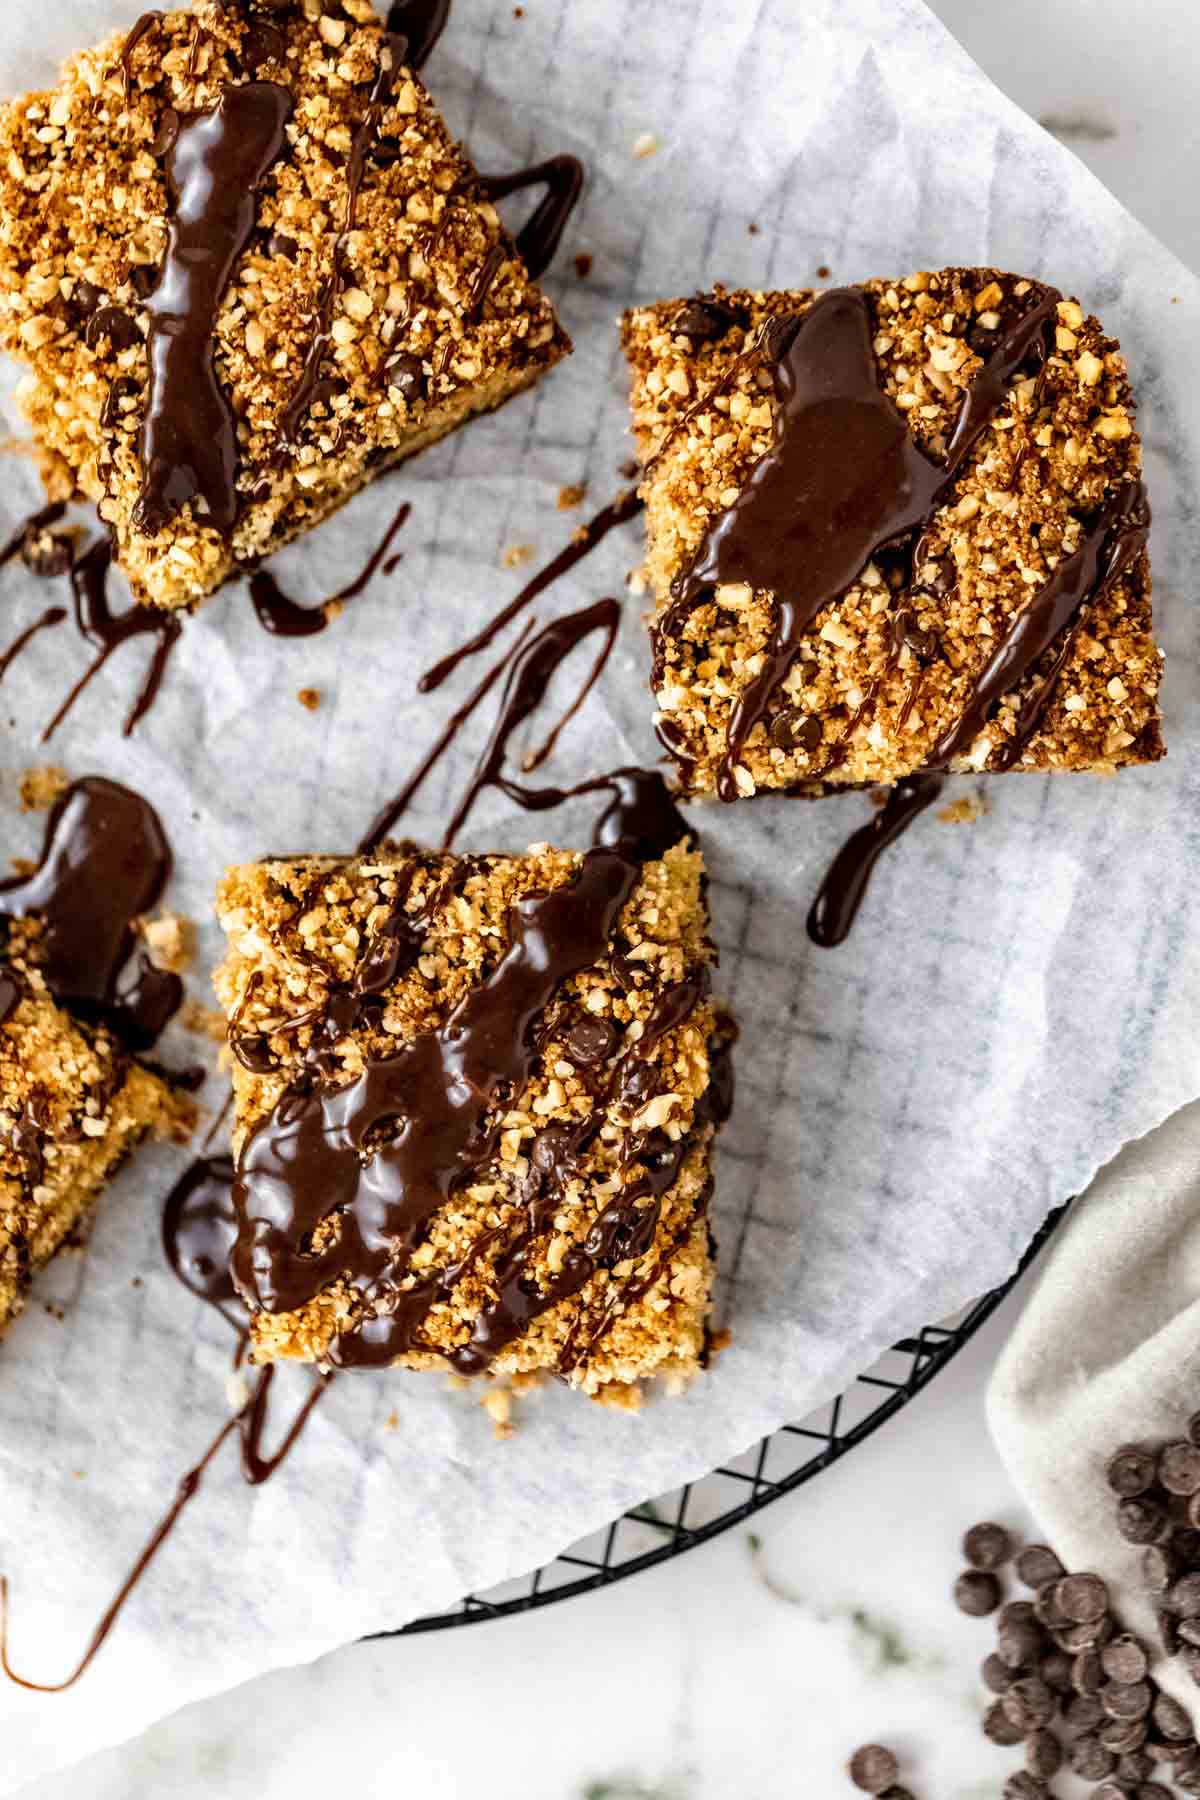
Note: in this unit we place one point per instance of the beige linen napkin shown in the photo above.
(1108, 1352)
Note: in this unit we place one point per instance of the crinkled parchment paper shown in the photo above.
(1018, 999)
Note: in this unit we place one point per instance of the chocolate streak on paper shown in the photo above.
(537, 240)
(284, 617)
(105, 862)
(843, 480)
(626, 506)
(98, 625)
(214, 166)
(53, 615)
(841, 892)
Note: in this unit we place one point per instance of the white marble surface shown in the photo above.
(752, 1667)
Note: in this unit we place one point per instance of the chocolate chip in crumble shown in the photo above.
(976, 1593)
(280, 244)
(590, 1040)
(1131, 1471)
(405, 373)
(797, 730)
(704, 321)
(873, 1768)
(986, 1546)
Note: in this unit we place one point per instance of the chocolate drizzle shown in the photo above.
(215, 163)
(284, 617)
(27, 534)
(626, 506)
(420, 23)
(98, 625)
(843, 480)
(1110, 547)
(105, 862)
(539, 238)
(308, 387)
(841, 893)
(53, 615)
(140, 29)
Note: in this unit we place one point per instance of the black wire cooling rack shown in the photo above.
(679, 1521)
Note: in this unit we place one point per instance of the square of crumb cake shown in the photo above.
(73, 1106)
(476, 1099)
(248, 269)
(892, 528)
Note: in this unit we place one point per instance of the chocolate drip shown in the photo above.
(304, 1163)
(529, 677)
(29, 531)
(540, 237)
(420, 23)
(10, 996)
(140, 29)
(626, 506)
(841, 893)
(105, 862)
(199, 1228)
(252, 1421)
(98, 625)
(284, 617)
(53, 615)
(1110, 548)
(147, 1006)
(306, 394)
(189, 439)
(843, 480)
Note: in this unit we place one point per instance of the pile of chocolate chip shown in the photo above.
(1070, 1685)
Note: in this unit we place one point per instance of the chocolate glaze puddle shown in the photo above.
(307, 388)
(53, 615)
(105, 861)
(539, 238)
(421, 24)
(626, 506)
(843, 480)
(189, 439)
(97, 624)
(284, 617)
(198, 1231)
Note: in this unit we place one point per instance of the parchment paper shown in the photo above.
(1018, 999)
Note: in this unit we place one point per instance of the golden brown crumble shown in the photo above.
(297, 929)
(83, 228)
(1061, 446)
(42, 787)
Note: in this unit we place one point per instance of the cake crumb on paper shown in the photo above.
(516, 555)
(573, 494)
(309, 698)
(41, 787)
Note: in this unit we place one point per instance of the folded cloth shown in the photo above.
(1107, 1352)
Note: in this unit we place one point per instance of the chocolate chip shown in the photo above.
(1184, 1597)
(115, 324)
(1046, 1608)
(798, 730)
(1087, 1674)
(1029, 1703)
(1082, 1598)
(996, 1675)
(898, 1793)
(1131, 1471)
(873, 1768)
(998, 1728)
(1109, 1790)
(704, 321)
(1043, 1755)
(1168, 1631)
(1135, 1766)
(976, 1593)
(1055, 1671)
(1023, 1786)
(1020, 1645)
(1179, 1467)
(1016, 1612)
(1123, 1736)
(1037, 1564)
(47, 554)
(1127, 1702)
(1188, 1779)
(1194, 1428)
(1173, 1720)
(85, 298)
(1074, 1638)
(1187, 1629)
(988, 1546)
(280, 244)
(1151, 1790)
(1141, 1521)
(1186, 1544)
(1123, 1661)
(590, 1040)
(405, 373)
(1090, 1759)
(1193, 1511)
(1083, 1713)
(1159, 1567)
(1189, 1656)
